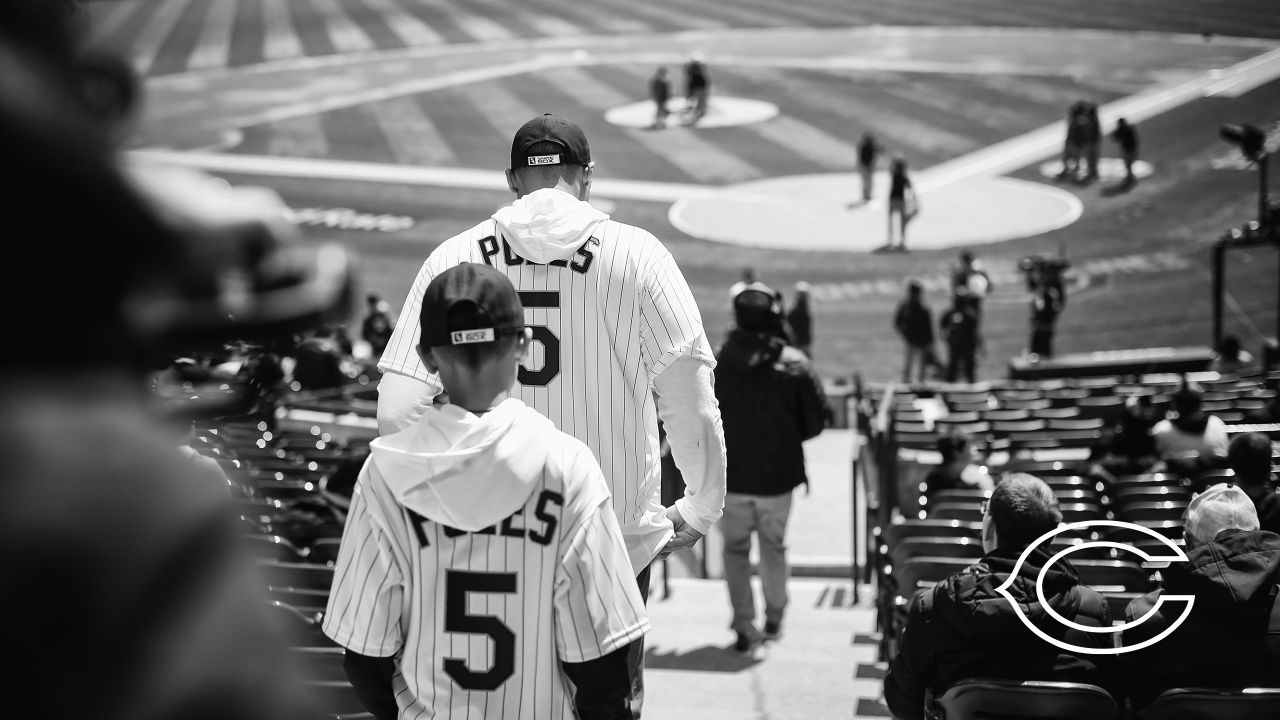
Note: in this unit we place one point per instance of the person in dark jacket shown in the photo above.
(962, 628)
(1232, 571)
(1249, 455)
(959, 329)
(771, 401)
(660, 93)
(960, 467)
(800, 320)
(913, 321)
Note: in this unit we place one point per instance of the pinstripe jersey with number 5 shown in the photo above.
(607, 317)
(481, 552)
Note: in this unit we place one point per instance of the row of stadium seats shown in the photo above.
(291, 519)
(1031, 700)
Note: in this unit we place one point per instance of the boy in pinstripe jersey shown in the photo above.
(618, 341)
(482, 572)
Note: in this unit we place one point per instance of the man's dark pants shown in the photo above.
(635, 655)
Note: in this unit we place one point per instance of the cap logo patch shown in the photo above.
(544, 159)
(465, 337)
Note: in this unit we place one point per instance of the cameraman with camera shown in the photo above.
(1044, 280)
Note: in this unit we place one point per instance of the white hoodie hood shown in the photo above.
(463, 470)
(548, 224)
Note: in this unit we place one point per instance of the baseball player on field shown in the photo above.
(482, 572)
(617, 342)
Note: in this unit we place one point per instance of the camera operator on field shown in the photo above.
(1048, 298)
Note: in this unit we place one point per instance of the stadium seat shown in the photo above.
(972, 429)
(918, 440)
(1107, 407)
(1093, 552)
(966, 511)
(1171, 529)
(1038, 404)
(992, 699)
(1202, 703)
(948, 547)
(970, 495)
(895, 532)
(295, 575)
(1067, 397)
(1113, 575)
(1129, 494)
(1143, 512)
(334, 698)
(298, 627)
(1002, 415)
(901, 427)
(1147, 480)
(1056, 413)
(263, 546)
(1075, 423)
(1081, 511)
(324, 550)
(1040, 468)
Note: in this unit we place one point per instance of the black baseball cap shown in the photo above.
(550, 128)
(468, 304)
(755, 308)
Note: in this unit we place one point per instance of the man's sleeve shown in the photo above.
(407, 387)
(670, 322)
(690, 413)
(909, 672)
(598, 608)
(363, 611)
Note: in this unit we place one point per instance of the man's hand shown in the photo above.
(685, 538)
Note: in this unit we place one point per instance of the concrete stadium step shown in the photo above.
(822, 666)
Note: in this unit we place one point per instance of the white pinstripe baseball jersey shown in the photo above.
(606, 321)
(478, 611)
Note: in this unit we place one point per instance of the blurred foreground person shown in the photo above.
(126, 592)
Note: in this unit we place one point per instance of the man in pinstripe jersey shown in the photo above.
(618, 342)
(482, 570)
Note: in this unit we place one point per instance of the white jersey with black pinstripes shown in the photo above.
(479, 620)
(606, 322)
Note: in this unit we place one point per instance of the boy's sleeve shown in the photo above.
(363, 611)
(598, 608)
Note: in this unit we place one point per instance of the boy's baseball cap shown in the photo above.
(1220, 507)
(468, 304)
(552, 129)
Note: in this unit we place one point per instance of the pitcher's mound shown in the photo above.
(721, 112)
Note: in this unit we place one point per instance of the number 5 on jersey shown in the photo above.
(542, 335)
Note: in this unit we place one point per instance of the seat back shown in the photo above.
(989, 699)
(964, 510)
(1201, 703)
(948, 547)
(919, 573)
(895, 532)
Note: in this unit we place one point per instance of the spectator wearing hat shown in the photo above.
(913, 321)
(318, 361)
(771, 401)
(1232, 571)
(1189, 439)
(1249, 455)
(962, 628)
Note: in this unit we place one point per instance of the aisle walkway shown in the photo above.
(824, 666)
